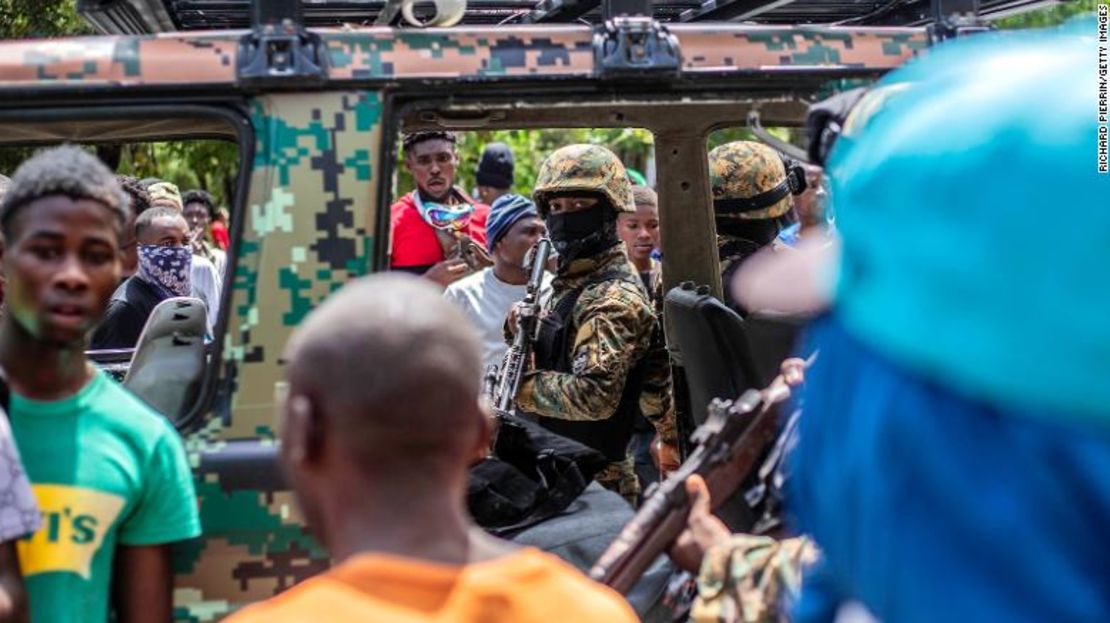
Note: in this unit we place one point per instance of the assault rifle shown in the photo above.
(726, 448)
(504, 392)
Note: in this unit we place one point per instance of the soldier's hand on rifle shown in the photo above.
(516, 312)
(447, 272)
(703, 530)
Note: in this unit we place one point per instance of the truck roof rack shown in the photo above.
(154, 16)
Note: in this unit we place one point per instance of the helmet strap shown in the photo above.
(794, 184)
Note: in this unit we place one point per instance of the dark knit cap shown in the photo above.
(504, 213)
(496, 166)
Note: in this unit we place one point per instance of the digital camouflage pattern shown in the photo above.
(307, 230)
(749, 579)
(614, 327)
(584, 168)
(364, 53)
(744, 169)
(193, 61)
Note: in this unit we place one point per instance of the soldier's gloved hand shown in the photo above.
(447, 272)
(703, 530)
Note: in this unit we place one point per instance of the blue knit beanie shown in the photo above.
(506, 210)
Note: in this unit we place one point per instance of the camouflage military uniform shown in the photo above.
(613, 332)
(613, 326)
(746, 179)
(749, 579)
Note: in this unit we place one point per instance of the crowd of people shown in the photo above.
(99, 486)
(949, 456)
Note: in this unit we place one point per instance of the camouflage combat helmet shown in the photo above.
(742, 170)
(588, 168)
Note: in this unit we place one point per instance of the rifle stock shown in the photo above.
(728, 445)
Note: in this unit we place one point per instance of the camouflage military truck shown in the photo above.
(315, 102)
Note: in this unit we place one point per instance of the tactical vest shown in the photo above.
(553, 352)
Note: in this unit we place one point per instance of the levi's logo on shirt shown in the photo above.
(74, 522)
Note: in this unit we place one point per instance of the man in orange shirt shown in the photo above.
(382, 419)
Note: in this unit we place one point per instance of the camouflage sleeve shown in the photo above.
(749, 579)
(656, 401)
(614, 330)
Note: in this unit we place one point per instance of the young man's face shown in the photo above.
(522, 236)
(166, 232)
(640, 232)
(432, 164)
(62, 265)
(196, 214)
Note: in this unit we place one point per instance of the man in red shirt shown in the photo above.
(425, 223)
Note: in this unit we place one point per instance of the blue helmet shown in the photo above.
(976, 222)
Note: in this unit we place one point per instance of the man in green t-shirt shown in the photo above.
(110, 474)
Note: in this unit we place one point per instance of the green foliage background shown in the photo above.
(634, 146)
(1048, 16)
(530, 147)
(210, 165)
(35, 19)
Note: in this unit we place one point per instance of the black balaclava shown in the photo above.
(762, 232)
(583, 234)
(749, 236)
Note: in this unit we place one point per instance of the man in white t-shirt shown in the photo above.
(513, 227)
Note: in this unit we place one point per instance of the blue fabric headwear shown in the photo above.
(505, 211)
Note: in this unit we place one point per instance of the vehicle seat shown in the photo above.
(168, 365)
(716, 355)
(712, 347)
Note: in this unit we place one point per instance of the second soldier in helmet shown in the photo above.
(599, 357)
(753, 188)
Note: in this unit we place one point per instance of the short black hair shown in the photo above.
(67, 171)
(415, 138)
(200, 196)
(140, 198)
(149, 216)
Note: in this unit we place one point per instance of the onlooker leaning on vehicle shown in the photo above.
(206, 280)
(165, 263)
